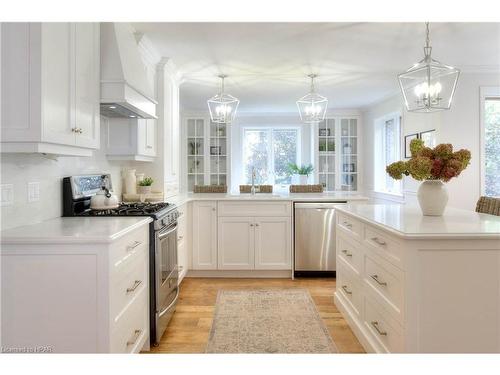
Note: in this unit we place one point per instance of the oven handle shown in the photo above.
(163, 235)
(171, 304)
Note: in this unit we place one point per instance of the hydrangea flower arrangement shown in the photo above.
(439, 163)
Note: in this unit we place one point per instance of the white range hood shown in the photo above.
(125, 89)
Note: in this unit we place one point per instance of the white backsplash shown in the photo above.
(20, 169)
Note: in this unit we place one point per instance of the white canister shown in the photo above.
(130, 182)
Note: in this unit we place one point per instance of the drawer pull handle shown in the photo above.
(347, 224)
(347, 254)
(379, 241)
(133, 246)
(344, 287)
(381, 333)
(375, 277)
(180, 238)
(135, 286)
(137, 334)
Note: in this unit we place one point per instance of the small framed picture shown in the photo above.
(215, 150)
(324, 132)
(408, 139)
(429, 138)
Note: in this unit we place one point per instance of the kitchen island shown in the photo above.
(419, 284)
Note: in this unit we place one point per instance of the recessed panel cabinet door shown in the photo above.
(205, 235)
(57, 86)
(236, 243)
(86, 41)
(273, 249)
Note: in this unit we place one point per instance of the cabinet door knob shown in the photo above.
(256, 224)
(251, 225)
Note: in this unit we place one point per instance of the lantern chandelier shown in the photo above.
(222, 106)
(312, 107)
(428, 86)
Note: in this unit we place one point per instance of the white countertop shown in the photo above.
(293, 197)
(407, 221)
(74, 230)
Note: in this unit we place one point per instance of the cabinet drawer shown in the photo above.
(383, 245)
(129, 246)
(350, 253)
(130, 331)
(252, 208)
(385, 282)
(352, 226)
(350, 288)
(385, 330)
(128, 283)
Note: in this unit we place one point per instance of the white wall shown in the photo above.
(19, 169)
(458, 126)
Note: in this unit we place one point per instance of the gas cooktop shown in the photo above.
(133, 209)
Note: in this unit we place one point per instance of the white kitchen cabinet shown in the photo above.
(131, 139)
(336, 152)
(204, 219)
(405, 291)
(50, 88)
(273, 246)
(75, 288)
(183, 240)
(254, 235)
(236, 238)
(206, 150)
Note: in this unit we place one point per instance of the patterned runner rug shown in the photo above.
(268, 321)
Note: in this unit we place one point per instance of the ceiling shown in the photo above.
(357, 63)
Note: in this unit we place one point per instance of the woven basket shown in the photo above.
(258, 188)
(210, 189)
(488, 205)
(306, 188)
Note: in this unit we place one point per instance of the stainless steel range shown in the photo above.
(163, 264)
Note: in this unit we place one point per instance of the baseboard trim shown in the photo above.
(283, 274)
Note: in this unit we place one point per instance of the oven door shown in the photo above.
(166, 269)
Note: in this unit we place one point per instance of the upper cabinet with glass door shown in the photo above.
(207, 146)
(336, 153)
(349, 154)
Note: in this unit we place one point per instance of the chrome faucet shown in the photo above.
(252, 189)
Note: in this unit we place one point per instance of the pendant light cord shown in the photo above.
(427, 48)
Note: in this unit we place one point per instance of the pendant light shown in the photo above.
(222, 106)
(428, 86)
(312, 107)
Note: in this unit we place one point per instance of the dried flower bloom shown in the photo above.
(463, 156)
(397, 170)
(437, 166)
(420, 167)
(415, 146)
(443, 151)
(427, 152)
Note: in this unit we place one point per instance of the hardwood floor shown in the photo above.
(190, 326)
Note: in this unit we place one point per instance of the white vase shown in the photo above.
(130, 182)
(432, 196)
(303, 179)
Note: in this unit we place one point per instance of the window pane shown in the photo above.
(256, 156)
(285, 152)
(492, 147)
(391, 153)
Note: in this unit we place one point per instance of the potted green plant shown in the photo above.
(433, 167)
(301, 173)
(145, 185)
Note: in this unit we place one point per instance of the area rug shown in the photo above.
(268, 321)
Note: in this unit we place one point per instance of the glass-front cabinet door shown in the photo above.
(206, 151)
(195, 152)
(349, 154)
(336, 153)
(326, 154)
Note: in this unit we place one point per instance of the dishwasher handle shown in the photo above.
(318, 204)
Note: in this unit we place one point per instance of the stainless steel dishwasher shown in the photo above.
(314, 242)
